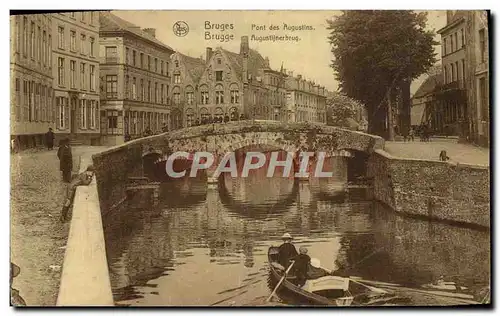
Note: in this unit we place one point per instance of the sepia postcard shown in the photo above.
(250, 158)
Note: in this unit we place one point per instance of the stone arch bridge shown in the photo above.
(117, 164)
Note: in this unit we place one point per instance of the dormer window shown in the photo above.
(219, 61)
(176, 63)
(218, 76)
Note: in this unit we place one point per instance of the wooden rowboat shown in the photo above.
(325, 291)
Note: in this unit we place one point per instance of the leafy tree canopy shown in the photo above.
(374, 50)
(344, 112)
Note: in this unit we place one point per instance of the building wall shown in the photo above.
(480, 110)
(208, 82)
(75, 69)
(445, 191)
(127, 110)
(307, 99)
(32, 106)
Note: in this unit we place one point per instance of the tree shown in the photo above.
(343, 111)
(375, 54)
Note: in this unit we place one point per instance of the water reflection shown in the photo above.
(206, 246)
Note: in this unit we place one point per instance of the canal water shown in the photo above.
(208, 245)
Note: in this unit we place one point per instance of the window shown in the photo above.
(149, 91)
(219, 95)
(167, 70)
(18, 99)
(61, 113)
(25, 37)
(482, 45)
(127, 52)
(451, 43)
(204, 97)
(235, 96)
(156, 92)
(72, 15)
(444, 46)
(83, 85)
(72, 40)
(445, 73)
(83, 114)
(142, 60)
(112, 119)
(177, 78)
(133, 57)
(219, 61)
(190, 98)
(149, 62)
(39, 45)
(162, 64)
(126, 86)
(156, 64)
(44, 48)
(162, 94)
(60, 71)
(72, 75)
(111, 86)
(92, 47)
(456, 70)
(483, 96)
(83, 40)
(218, 75)
(49, 51)
(92, 77)
(142, 90)
(134, 91)
(83, 16)
(456, 41)
(176, 64)
(111, 54)
(177, 98)
(33, 46)
(93, 112)
(463, 69)
(462, 37)
(60, 38)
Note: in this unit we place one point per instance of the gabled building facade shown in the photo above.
(135, 80)
(186, 72)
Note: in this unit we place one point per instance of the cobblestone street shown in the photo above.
(38, 239)
(461, 153)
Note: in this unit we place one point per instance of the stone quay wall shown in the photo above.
(432, 189)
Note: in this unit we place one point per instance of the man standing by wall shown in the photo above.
(49, 139)
(65, 160)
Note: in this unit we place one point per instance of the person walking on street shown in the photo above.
(49, 139)
(65, 159)
(84, 178)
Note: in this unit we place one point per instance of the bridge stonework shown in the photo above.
(115, 164)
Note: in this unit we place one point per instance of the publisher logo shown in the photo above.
(181, 28)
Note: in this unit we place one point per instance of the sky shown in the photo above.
(306, 53)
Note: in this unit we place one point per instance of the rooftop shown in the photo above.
(112, 23)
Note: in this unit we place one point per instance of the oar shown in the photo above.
(281, 281)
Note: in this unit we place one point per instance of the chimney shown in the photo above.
(267, 61)
(244, 50)
(449, 16)
(299, 77)
(151, 32)
(208, 54)
(244, 47)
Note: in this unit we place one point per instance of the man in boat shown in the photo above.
(287, 251)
